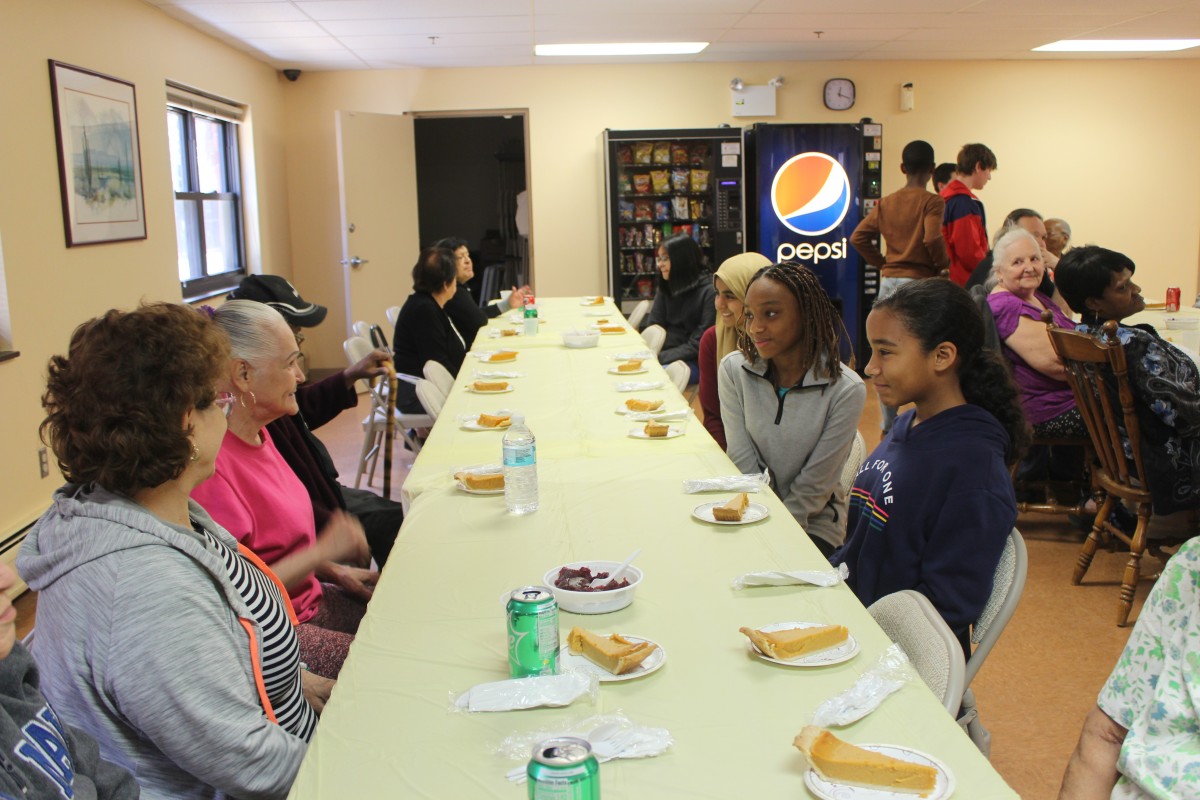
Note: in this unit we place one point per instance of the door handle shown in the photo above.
(354, 262)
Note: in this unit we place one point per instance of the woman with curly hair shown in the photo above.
(933, 505)
(156, 632)
(787, 401)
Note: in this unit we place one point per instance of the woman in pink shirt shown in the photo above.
(257, 497)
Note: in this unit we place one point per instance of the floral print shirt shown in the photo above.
(1154, 689)
(1166, 391)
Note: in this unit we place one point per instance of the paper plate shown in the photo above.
(822, 658)
(672, 432)
(828, 790)
(754, 513)
(653, 662)
(470, 422)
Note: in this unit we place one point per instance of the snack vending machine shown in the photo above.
(807, 187)
(659, 183)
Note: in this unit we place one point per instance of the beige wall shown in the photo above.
(1106, 145)
(52, 288)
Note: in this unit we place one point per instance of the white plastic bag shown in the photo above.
(520, 693)
(873, 687)
(749, 482)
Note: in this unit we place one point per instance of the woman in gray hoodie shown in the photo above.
(156, 633)
(787, 401)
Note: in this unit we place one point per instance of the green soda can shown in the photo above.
(532, 632)
(563, 769)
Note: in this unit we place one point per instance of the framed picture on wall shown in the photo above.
(99, 158)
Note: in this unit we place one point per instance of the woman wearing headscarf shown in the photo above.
(730, 283)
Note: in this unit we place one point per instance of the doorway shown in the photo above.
(472, 181)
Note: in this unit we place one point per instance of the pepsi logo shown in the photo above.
(811, 193)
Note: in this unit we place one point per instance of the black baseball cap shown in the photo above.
(281, 296)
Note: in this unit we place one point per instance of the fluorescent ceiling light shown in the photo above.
(620, 49)
(1117, 45)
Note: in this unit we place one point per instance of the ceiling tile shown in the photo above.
(434, 26)
(409, 9)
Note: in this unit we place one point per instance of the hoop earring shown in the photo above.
(195, 453)
(253, 400)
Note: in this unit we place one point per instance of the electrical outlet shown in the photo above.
(44, 462)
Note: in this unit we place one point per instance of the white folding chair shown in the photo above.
(362, 329)
(392, 313)
(911, 621)
(679, 373)
(858, 451)
(1008, 584)
(375, 423)
(440, 376)
(639, 313)
(655, 335)
(431, 398)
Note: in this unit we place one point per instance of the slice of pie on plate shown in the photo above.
(503, 355)
(795, 642)
(489, 386)
(481, 483)
(656, 430)
(643, 405)
(841, 762)
(614, 652)
(734, 510)
(494, 420)
(630, 366)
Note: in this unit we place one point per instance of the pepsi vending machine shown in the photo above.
(807, 186)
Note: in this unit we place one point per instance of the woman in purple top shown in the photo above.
(1017, 306)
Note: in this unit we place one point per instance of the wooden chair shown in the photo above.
(1092, 366)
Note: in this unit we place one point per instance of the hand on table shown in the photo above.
(316, 689)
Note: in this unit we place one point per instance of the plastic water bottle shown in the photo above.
(520, 467)
(531, 315)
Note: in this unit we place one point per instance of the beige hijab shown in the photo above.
(736, 272)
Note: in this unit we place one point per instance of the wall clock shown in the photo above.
(839, 94)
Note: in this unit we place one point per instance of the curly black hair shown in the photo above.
(115, 403)
(822, 326)
(937, 310)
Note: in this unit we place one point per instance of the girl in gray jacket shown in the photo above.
(787, 401)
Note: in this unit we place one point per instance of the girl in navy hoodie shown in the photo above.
(933, 505)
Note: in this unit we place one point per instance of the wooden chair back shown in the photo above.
(1092, 365)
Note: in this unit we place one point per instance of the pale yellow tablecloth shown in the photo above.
(436, 624)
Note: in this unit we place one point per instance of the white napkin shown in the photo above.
(637, 386)
(749, 482)
(519, 693)
(643, 416)
(816, 577)
(872, 687)
(610, 735)
(481, 469)
(640, 354)
(495, 373)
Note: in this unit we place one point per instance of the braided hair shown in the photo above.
(936, 311)
(820, 322)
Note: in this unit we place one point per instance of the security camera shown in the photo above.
(291, 74)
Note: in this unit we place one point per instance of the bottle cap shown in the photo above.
(518, 419)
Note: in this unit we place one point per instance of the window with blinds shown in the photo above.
(203, 134)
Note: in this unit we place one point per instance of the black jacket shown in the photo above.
(685, 314)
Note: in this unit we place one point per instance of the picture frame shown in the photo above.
(99, 156)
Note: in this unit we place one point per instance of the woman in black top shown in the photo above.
(466, 314)
(423, 331)
(683, 304)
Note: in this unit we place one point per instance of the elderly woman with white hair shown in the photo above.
(256, 496)
(1017, 306)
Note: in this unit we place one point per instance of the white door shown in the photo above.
(380, 238)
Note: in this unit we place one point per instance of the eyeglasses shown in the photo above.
(224, 402)
(299, 337)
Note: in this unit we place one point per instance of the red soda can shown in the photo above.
(1173, 298)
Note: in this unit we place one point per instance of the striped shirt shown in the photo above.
(280, 646)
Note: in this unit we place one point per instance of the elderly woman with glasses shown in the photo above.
(258, 498)
(156, 632)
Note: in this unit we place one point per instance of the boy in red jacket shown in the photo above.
(964, 225)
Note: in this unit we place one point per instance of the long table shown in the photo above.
(435, 626)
